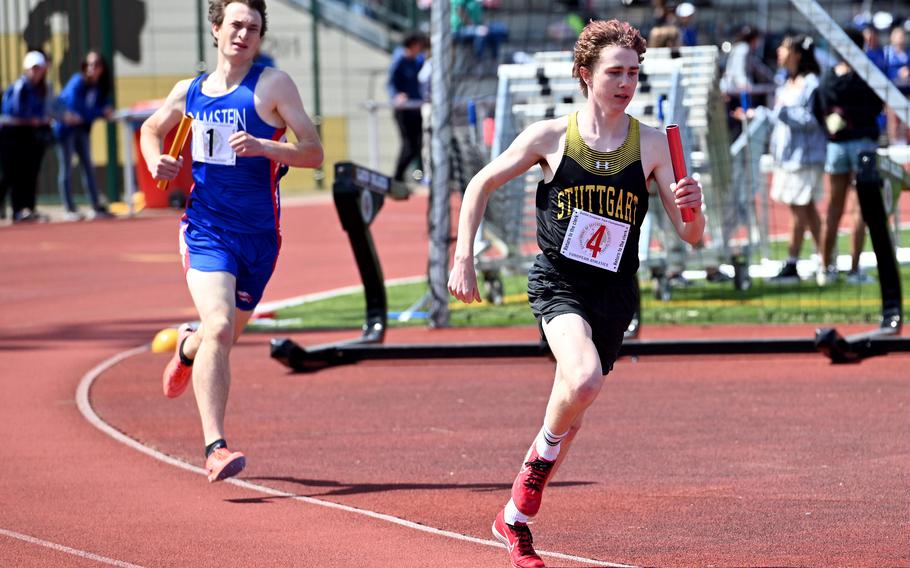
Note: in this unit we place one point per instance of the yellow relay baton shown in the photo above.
(183, 130)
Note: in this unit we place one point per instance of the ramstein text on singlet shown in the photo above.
(224, 116)
(600, 200)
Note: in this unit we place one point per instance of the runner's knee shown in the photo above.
(220, 330)
(583, 382)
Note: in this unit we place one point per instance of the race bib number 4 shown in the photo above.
(595, 240)
(210, 142)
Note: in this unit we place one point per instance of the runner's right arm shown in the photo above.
(155, 129)
(528, 149)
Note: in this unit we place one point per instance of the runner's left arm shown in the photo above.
(307, 151)
(674, 196)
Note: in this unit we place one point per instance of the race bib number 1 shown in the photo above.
(210, 143)
(595, 240)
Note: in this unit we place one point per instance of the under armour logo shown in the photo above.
(597, 164)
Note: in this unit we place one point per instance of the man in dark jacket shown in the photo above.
(405, 92)
(24, 133)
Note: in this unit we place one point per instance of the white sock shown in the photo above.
(548, 443)
(512, 515)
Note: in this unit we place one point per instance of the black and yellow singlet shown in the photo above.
(610, 185)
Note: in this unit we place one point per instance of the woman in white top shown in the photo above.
(797, 146)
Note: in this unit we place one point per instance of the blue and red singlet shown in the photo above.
(232, 220)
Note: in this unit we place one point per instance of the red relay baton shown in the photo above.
(678, 159)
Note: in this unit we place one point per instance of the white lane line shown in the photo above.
(85, 407)
(67, 549)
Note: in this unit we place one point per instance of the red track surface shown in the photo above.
(715, 461)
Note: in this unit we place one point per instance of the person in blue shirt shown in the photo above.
(230, 235)
(688, 29)
(897, 68)
(874, 51)
(406, 94)
(897, 59)
(24, 133)
(876, 54)
(85, 98)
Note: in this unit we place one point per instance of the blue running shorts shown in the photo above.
(250, 257)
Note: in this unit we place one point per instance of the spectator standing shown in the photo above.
(798, 147)
(685, 19)
(85, 98)
(876, 53)
(406, 95)
(897, 60)
(744, 72)
(897, 68)
(871, 46)
(848, 109)
(24, 136)
(739, 69)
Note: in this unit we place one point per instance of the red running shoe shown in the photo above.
(177, 375)
(223, 463)
(519, 541)
(527, 490)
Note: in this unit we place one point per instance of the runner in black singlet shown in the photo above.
(612, 187)
(596, 166)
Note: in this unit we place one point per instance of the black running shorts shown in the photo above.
(607, 309)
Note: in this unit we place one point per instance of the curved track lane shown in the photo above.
(717, 461)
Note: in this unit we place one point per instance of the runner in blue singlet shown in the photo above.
(230, 234)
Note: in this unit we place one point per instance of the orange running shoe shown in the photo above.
(223, 463)
(519, 541)
(177, 374)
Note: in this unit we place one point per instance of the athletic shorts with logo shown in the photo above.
(607, 309)
(250, 257)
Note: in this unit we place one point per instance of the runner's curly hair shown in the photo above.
(216, 12)
(599, 34)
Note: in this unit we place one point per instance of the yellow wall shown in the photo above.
(12, 48)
